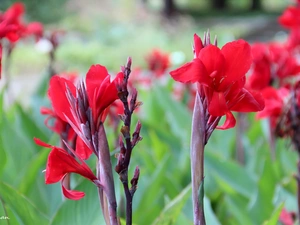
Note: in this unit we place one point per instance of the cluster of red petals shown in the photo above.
(12, 27)
(55, 122)
(290, 17)
(221, 72)
(271, 63)
(274, 104)
(101, 93)
(158, 62)
(60, 163)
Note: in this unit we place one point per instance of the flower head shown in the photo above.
(158, 62)
(221, 74)
(60, 162)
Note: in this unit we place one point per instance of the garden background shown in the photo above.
(245, 183)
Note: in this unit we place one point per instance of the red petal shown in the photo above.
(94, 78)
(198, 45)
(217, 104)
(72, 194)
(191, 72)
(214, 63)
(238, 61)
(60, 163)
(229, 122)
(108, 94)
(248, 101)
(82, 150)
(57, 95)
(41, 143)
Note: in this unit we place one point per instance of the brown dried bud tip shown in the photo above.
(135, 179)
(133, 99)
(125, 132)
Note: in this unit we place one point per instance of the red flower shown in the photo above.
(100, 94)
(274, 101)
(290, 17)
(221, 72)
(60, 163)
(36, 29)
(261, 69)
(158, 62)
(11, 21)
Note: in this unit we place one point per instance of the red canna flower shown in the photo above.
(34, 28)
(60, 163)
(261, 68)
(84, 108)
(272, 63)
(221, 73)
(158, 62)
(274, 104)
(290, 17)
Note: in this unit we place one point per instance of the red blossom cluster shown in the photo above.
(78, 112)
(158, 62)
(276, 72)
(221, 75)
(13, 28)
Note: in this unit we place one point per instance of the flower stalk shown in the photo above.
(197, 161)
(129, 142)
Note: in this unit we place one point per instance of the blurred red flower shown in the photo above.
(274, 104)
(271, 63)
(286, 218)
(290, 17)
(221, 72)
(158, 62)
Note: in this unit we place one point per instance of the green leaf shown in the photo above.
(210, 217)
(262, 201)
(231, 173)
(275, 216)
(21, 207)
(172, 210)
(235, 205)
(84, 211)
(177, 115)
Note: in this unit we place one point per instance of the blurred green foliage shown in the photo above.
(45, 11)
(250, 193)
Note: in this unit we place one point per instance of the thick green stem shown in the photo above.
(197, 161)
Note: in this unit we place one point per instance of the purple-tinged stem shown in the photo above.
(105, 175)
(197, 160)
(298, 187)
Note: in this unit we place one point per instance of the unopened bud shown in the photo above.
(136, 135)
(136, 175)
(129, 62)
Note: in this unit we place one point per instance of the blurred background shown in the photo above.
(238, 191)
